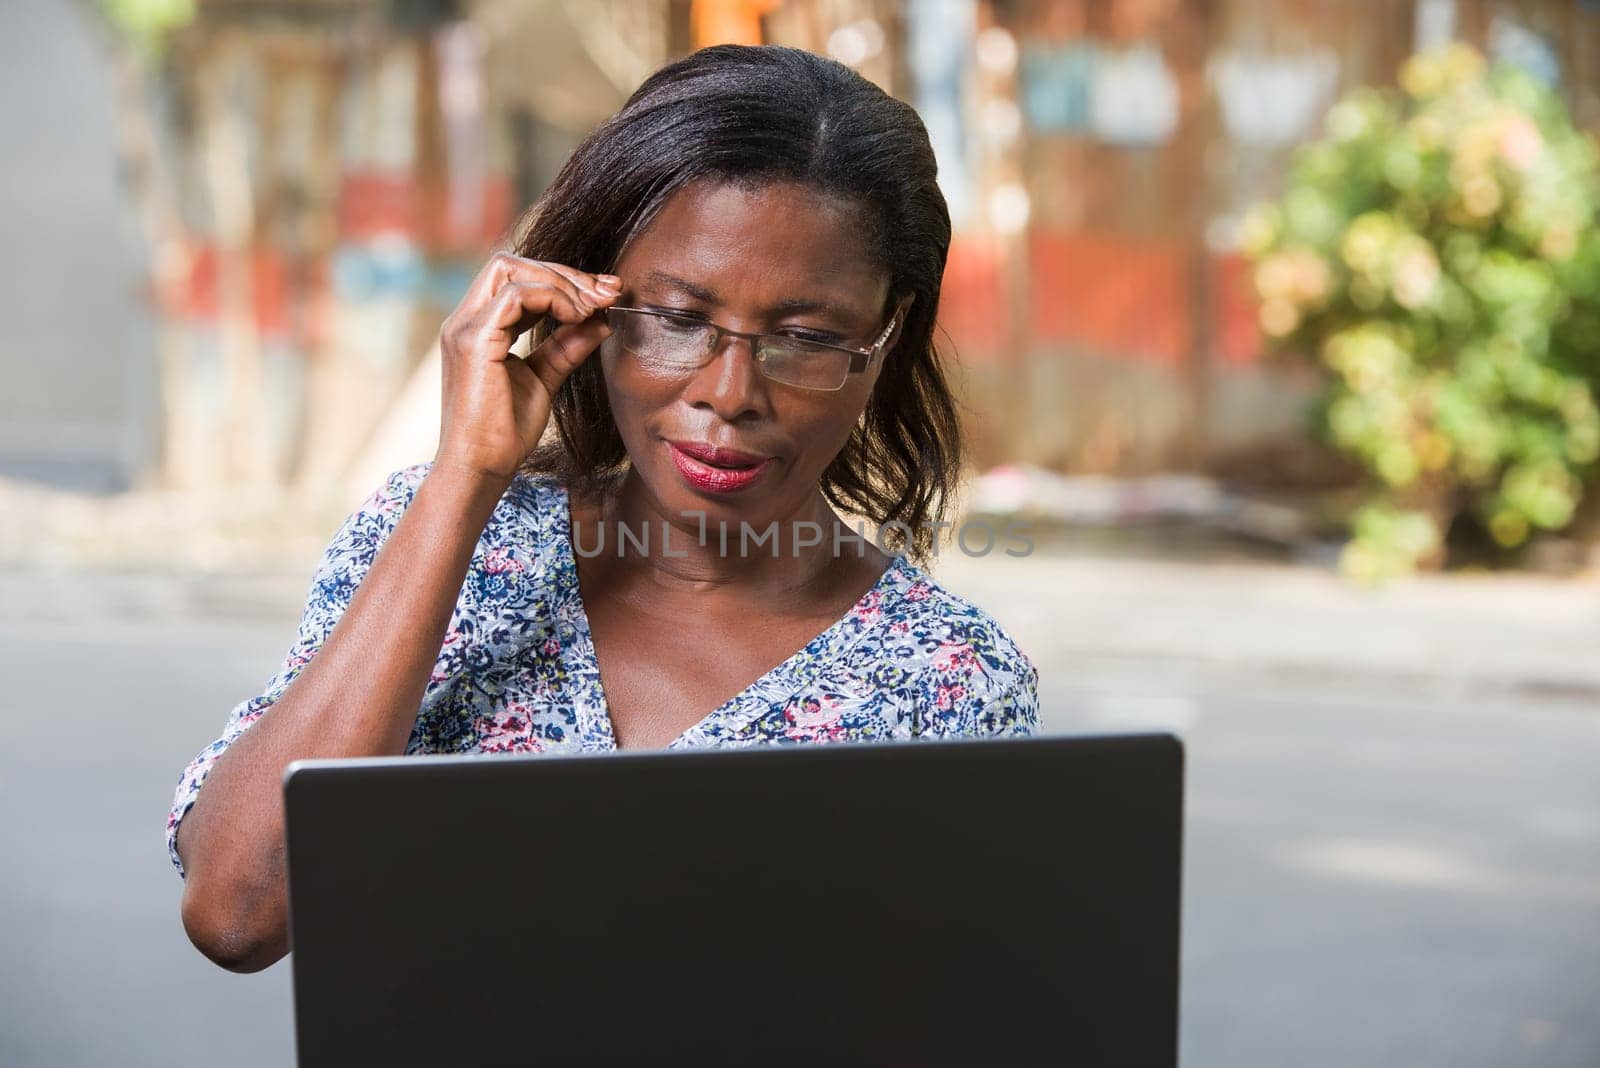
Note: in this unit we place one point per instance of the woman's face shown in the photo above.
(773, 259)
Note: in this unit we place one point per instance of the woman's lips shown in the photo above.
(714, 470)
(717, 456)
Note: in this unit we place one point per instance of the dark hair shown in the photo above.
(755, 115)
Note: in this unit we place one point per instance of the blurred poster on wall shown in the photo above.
(1057, 84)
(1076, 82)
(1514, 41)
(1272, 99)
(1133, 99)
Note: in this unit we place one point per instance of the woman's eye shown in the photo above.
(682, 326)
(813, 337)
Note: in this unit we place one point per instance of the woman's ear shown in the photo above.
(901, 308)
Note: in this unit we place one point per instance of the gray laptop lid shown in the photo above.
(984, 902)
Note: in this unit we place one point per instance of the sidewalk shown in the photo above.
(1234, 626)
(1247, 625)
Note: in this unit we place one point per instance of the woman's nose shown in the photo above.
(731, 385)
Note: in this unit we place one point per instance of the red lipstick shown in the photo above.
(715, 470)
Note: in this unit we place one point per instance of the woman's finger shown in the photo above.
(505, 267)
(604, 286)
(518, 305)
(487, 282)
(567, 346)
(564, 295)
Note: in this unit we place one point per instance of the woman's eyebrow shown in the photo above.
(790, 306)
(700, 293)
(802, 306)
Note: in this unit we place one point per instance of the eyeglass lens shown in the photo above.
(671, 345)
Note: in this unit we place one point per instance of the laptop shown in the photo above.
(992, 902)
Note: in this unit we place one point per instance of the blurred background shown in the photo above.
(1279, 320)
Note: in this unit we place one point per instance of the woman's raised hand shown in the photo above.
(496, 405)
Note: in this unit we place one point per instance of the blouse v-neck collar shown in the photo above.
(771, 690)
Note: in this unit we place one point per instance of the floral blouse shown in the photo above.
(517, 671)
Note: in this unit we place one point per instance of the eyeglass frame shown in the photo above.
(861, 360)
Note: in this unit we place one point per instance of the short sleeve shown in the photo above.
(344, 564)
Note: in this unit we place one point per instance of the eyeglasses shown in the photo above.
(668, 344)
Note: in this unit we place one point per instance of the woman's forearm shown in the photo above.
(358, 696)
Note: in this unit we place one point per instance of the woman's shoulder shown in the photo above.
(954, 663)
(523, 535)
(952, 629)
(529, 496)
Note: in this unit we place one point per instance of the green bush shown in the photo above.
(1437, 255)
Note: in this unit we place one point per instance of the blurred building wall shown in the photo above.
(337, 169)
(1095, 292)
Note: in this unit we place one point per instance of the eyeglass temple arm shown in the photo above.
(865, 357)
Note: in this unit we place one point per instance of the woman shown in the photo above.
(753, 246)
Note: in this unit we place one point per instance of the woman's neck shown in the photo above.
(796, 556)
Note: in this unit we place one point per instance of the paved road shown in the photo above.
(1380, 884)
(1368, 883)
